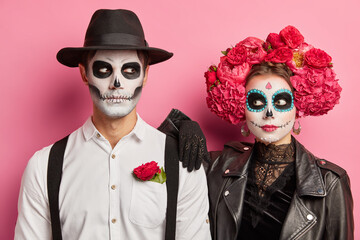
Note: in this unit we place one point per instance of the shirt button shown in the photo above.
(226, 193)
(310, 217)
(113, 220)
(113, 156)
(207, 220)
(113, 187)
(98, 135)
(246, 148)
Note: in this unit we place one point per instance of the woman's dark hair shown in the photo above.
(264, 68)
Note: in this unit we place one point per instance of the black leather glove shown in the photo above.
(192, 145)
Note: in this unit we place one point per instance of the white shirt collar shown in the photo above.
(90, 131)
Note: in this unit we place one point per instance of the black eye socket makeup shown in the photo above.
(283, 101)
(131, 70)
(102, 69)
(256, 101)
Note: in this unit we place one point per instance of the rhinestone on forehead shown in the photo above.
(268, 86)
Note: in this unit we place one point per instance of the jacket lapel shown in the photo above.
(298, 221)
(309, 181)
(234, 193)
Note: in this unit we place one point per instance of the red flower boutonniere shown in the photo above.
(150, 172)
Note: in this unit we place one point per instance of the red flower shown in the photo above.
(228, 72)
(227, 100)
(279, 55)
(316, 91)
(210, 76)
(254, 49)
(275, 40)
(317, 58)
(147, 171)
(237, 55)
(291, 37)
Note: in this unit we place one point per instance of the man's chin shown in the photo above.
(115, 112)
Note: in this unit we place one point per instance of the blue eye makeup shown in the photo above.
(283, 100)
(256, 100)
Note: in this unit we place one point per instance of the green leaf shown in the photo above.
(224, 52)
(159, 177)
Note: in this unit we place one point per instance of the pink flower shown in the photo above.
(228, 72)
(317, 58)
(255, 51)
(291, 37)
(279, 55)
(227, 100)
(237, 55)
(275, 40)
(298, 60)
(316, 91)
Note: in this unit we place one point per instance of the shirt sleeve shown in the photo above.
(33, 220)
(193, 206)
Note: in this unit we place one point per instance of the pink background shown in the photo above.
(42, 101)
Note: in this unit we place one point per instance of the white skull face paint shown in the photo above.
(270, 111)
(115, 81)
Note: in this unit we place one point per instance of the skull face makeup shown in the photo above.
(115, 80)
(270, 112)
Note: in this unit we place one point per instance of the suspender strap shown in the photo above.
(55, 164)
(172, 185)
(54, 173)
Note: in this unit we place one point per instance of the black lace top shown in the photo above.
(269, 190)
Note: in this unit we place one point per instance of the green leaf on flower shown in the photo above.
(159, 177)
(224, 52)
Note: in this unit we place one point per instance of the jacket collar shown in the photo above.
(309, 181)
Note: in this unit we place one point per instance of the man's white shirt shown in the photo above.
(100, 198)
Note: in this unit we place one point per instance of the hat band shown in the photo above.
(111, 39)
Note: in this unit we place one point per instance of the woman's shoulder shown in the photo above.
(232, 151)
(324, 165)
(327, 166)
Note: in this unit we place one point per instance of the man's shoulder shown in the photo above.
(40, 157)
(152, 131)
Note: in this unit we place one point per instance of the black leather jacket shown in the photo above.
(321, 208)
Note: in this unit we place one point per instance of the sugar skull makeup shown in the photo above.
(270, 112)
(115, 81)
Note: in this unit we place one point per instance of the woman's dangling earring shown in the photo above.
(298, 130)
(244, 132)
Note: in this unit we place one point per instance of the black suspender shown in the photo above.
(54, 173)
(55, 164)
(172, 185)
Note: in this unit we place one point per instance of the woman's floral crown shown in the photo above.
(316, 90)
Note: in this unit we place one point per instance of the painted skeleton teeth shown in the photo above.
(115, 99)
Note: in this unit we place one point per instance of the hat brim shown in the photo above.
(71, 57)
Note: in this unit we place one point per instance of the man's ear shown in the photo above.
(146, 76)
(83, 74)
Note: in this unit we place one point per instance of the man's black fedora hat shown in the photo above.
(112, 30)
